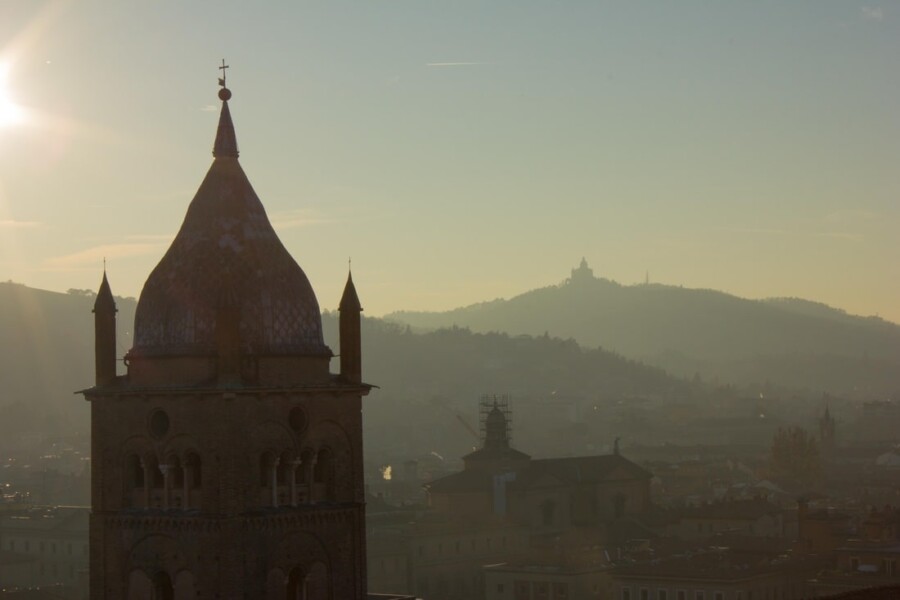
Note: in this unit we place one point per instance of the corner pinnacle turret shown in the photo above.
(105, 334)
(350, 333)
(349, 299)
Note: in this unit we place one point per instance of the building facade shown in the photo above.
(44, 546)
(227, 461)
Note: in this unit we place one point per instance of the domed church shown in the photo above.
(227, 461)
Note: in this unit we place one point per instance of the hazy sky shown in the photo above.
(462, 151)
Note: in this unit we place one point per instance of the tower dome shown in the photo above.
(496, 431)
(227, 259)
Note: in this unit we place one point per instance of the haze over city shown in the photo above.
(629, 272)
(465, 151)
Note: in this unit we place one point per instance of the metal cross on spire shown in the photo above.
(222, 68)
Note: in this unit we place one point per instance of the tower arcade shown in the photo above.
(227, 461)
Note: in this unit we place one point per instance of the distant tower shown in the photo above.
(105, 333)
(827, 441)
(495, 421)
(227, 462)
(496, 454)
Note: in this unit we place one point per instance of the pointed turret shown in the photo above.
(105, 333)
(226, 141)
(351, 339)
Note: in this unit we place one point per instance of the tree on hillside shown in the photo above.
(81, 292)
(795, 458)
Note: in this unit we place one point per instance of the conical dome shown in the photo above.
(227, 241)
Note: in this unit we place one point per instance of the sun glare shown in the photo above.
(10, 112)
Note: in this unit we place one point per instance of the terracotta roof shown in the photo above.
(739, 510)
(464, 481)
(715, 565)
(496, 453)
(578, 470)
(227, 254)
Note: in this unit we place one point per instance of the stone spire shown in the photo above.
(349, 300)
(351, 336)
(105, 334)
(226, 141)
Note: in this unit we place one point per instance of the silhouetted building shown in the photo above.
(506, 507)
(868, 559)
(552, 493)
(582, 274)
(752, 517)
(227, 462)
(716, 574)
(827, 440)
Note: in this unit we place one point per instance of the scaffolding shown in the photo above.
(486, 404)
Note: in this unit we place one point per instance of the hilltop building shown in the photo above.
(583, 274)
(227, 462)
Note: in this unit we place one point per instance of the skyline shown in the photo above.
(463, 153)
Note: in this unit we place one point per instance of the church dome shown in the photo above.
(227, 259)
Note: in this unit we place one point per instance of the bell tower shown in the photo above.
(227, 462)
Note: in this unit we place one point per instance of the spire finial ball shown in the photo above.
(224, 94)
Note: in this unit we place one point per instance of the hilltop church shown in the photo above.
(227, 461)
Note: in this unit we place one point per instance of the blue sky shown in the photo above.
(462, 151)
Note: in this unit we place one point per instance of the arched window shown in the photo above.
(194, 470)
(284, 468)
(134, 472)
(312, 584)
(323, 474)
(154, 472)
(162, 587)
(296, 586)
(177, 474)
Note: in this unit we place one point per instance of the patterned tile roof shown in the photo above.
(227, 255)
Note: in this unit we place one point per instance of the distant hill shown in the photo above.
(47, 347)
(458, 363)
(786, 341)
(47, 353)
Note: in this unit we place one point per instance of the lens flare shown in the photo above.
(10, 112)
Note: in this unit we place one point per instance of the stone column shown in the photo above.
(274, 479)
(188, 482)
(166, 471)
(295, 464)
(308, 467)
(148, 478)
